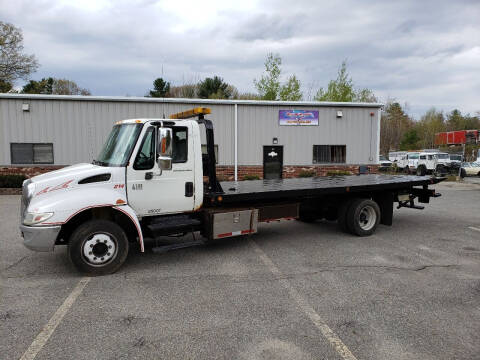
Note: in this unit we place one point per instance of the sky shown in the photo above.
(420, 53)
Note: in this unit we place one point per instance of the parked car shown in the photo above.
(385, 164)
(470, 169)
(437, 163)
(408, 162)
(395, 156)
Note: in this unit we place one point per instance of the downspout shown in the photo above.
(236, 142)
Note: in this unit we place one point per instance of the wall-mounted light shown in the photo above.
(25, 107)
(275, 141)
(339, 114)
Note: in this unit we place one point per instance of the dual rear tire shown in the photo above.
(359, 216)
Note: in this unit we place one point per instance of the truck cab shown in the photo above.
(146, 168)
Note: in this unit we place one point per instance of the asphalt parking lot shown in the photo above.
(411, 291)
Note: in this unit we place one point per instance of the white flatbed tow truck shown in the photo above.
(148, 182)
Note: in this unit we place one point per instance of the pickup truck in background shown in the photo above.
(148, 182)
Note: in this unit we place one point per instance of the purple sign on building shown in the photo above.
(298, 117)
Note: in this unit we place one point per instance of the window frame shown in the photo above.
(315, 154)
(186, 143)
(150, 129)
(33, 162)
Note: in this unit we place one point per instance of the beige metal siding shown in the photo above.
(258, 125)
(78, 128)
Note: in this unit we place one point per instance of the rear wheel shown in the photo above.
(363, 217)
(98, 247)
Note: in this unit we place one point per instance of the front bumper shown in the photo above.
(39, 238)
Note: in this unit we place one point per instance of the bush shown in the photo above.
(306, 173)
(251, 177)
(11, 181)
(338, 173)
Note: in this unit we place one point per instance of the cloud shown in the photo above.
(425, 53)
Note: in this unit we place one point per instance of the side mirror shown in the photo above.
(164, 148)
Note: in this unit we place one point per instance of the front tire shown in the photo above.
(98, 247)
(363, 217)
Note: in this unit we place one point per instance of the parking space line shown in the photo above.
(54, 321)
(328, 333)
(474, 228)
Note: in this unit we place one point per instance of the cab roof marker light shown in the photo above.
(191, 113)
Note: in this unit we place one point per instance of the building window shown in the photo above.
(215, 147)
(29, 153)
(325, 154)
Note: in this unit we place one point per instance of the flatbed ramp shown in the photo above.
(314, 186)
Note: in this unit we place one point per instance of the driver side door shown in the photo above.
(152, 191)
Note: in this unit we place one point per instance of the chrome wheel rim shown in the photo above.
(367, 218)
(99, 249)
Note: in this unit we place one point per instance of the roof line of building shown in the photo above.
(183, 100)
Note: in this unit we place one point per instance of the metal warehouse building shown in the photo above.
(265, 138)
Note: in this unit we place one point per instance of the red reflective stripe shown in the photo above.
(140, 237)
(224, 235)
(247, 231)
(278, 219)
(78, 212)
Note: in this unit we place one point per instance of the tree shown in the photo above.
(14, 64)
(54, 86)
(394, 123)
(455, 121)
(5, 86)
(185, 91)
(44, 86)
(366, 96)
(410, 140)
(68, 87)
(342, 89)
(431, 123)
(290, 91)
(214, 88)
(269, 84)
(161, 88)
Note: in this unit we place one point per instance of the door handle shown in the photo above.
(189, 189)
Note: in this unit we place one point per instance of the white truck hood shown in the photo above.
(70, 174)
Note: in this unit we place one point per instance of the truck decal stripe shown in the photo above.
(140, 237)
(139, 231)
(75, 213)
(243, 232)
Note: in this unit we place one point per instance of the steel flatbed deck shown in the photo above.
(283, 189)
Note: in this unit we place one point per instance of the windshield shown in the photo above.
(382, 158)
(119, 145)
(456, 157)
(442, 156)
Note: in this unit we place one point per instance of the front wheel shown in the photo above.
(363, 217)
(98, 247)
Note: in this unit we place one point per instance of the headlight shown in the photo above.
(35, 218)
